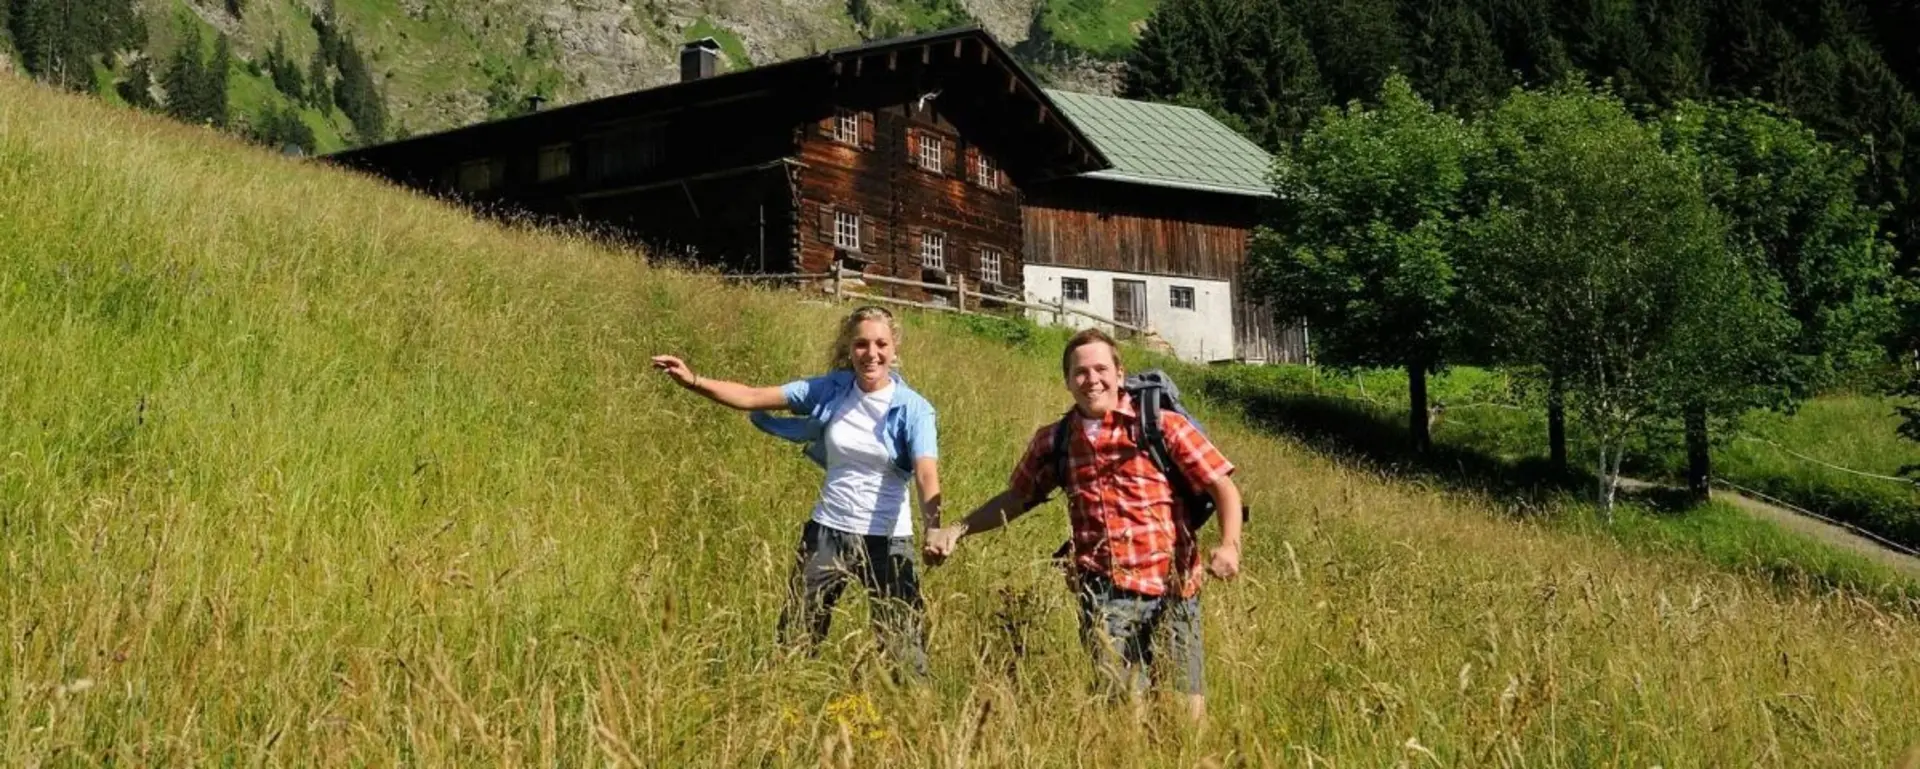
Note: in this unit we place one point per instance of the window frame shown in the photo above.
(1085, 286)
(563, 169)
(1174, 294)
(933, 250)
(986, 173)
(487, 183)
(997, 261)
(932, 149)
(844, 237)
(846, 127)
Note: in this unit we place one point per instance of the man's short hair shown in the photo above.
(1082, 339)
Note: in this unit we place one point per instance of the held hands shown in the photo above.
(677, 370)
(941, 543)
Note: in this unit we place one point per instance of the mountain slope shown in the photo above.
(442, 64)
(301, 469)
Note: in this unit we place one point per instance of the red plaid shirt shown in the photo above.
(1121, 507)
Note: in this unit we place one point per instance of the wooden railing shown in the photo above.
(839, 289)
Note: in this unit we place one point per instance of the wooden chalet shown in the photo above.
(905, 156)
(921, 157)
(1159, 238)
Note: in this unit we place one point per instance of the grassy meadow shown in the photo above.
(297, 469)
(1838, 454)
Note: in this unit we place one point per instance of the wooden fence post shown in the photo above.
(836, 281)
(960, 293)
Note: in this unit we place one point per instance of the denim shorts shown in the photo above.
(1120, 628)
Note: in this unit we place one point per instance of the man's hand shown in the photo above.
(941, 543)
(1226, 560)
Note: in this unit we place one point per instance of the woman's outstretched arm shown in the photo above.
(734, 394)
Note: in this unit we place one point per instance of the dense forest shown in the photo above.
(1849, 69)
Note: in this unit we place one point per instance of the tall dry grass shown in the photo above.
(296, 469)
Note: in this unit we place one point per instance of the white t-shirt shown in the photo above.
(864, 493)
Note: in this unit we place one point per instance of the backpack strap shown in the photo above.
(1060, 438)
(1152, 438)
(1060, 474)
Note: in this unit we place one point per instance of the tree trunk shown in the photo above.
(1600, 477)
(1609, 477)
(1699, 463)
(1417, 415)
(1557, 425)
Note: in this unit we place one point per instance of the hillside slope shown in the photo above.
(444, 64)
(297, 469)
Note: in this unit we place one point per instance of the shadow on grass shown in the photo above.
(1376, 437)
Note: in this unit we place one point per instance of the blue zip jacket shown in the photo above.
(909, 425)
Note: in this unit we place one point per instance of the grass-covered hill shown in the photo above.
(298, 469)
(438, 64)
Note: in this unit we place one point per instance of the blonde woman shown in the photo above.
(875, 437)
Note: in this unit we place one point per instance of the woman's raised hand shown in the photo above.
(676, 369)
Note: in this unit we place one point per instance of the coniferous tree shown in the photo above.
(137, 88)
(36, 30)
(1451, 54)
(1356, 42)
(213, 86)
(358, 96)
(185, 79)
(1247, 62)
(285, 73)
(281, 127)
(319, 94)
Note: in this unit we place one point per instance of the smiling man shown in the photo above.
(1134, 561)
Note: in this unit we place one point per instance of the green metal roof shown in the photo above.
(1165, 145)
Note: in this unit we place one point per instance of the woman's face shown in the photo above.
(873, 354)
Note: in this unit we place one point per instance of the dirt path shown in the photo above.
(1821, 530)
(1839, 536)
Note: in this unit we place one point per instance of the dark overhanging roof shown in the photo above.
(821, 70)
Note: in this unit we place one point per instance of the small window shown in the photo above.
(477, 175)
(846, 127)
(985, 172)
(846, 230)
(932, 150)
(1182, 297)
(629, 151)
(1074, 289)
(933, 250)
(556, 162)
(989, 265)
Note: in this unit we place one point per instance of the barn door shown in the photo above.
(1130, 303)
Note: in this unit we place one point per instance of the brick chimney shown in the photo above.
(699, 59)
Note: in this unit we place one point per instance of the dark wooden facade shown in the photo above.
(755, 171)
(929, 201)
(1120, 226)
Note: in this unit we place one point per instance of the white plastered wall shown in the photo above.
(1204, 333)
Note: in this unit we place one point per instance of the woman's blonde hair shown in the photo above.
(841, 356)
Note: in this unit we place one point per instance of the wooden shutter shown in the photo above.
(826, 126)
(949, 157)
(826, 223)
(866, 130)
(972, 162)
(913, 146)
(869, 241)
